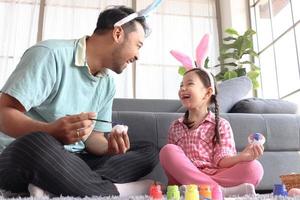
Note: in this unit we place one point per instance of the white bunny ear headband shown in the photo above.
(142, 13)
(201, 54)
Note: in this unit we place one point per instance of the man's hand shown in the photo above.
(72, 128)
(118, 140)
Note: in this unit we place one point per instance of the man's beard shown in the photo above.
(117, 63)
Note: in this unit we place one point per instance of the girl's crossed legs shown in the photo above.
(180, 170)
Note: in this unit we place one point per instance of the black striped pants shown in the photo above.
(40, 159)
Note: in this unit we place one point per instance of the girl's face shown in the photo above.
(193, 93)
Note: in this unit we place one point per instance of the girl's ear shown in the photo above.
(184, 59)
(209, 92)
(202, 50)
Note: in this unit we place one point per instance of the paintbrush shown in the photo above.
(101, 120)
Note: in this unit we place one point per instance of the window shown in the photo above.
(298, 39)
(268, 73)
(276, 23)
(287, 65)
(295, 6)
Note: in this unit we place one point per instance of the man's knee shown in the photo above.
(149, 150)
(29, 147)
(38, 138)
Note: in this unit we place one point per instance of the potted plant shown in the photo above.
(237, 57)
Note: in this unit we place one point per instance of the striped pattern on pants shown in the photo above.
(40, 159)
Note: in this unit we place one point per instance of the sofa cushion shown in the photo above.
(230, 92)
(146, 105)
(258, 105)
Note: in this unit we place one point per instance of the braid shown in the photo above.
(186, 121)
(216, 138)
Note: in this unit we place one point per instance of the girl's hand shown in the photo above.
(71, 129)
(251, 152)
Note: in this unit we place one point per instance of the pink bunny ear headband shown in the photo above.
(201, 54)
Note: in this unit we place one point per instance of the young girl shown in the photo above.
(201, 148)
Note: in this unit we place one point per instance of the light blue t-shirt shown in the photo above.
(52, 80)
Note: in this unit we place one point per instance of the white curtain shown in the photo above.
(74, 18)
(18, 25)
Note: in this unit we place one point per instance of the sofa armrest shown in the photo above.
(264, 106)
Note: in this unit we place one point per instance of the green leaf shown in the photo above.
(230, 75)
(255, 83)
(230, 64)
(238, 46)
(219, 76)
(253, 74)
(226, 47)
(246, 45)
(181, 70)
(229, 39)
(206, 62)
(227, 55)
(246, 62)
(231, 31)
(241, 71)
(254, 67)
(217, 65)
(242, 44)
(249, 33)
(251, 53)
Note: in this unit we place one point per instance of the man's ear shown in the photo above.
(118, 34)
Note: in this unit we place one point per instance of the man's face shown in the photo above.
(128, 51)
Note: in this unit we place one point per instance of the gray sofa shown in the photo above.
(150, 120)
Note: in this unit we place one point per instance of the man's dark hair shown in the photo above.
(109, 17)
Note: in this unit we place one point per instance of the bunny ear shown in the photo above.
(184, 59)
(201, 51)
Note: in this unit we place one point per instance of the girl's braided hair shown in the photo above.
(204, 77)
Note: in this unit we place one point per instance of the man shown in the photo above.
(49, 104)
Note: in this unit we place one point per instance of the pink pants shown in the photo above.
(181, 171)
